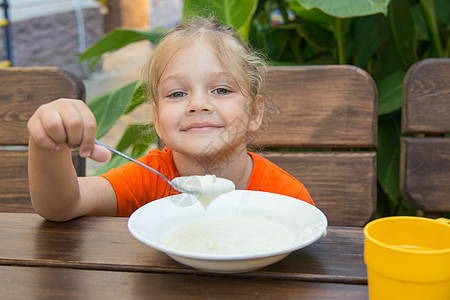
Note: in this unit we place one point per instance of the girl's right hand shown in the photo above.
(66, 122)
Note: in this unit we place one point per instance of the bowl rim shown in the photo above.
(230, 257)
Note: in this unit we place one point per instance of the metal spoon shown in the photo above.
(193, 191)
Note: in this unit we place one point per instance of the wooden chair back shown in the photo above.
(425, 146)
(326, 118)
(22, 91)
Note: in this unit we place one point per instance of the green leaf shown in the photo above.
(257, 39)
(139, 97)
(341, 30)
(403, 30)
(405, 209)
(140, 136)
(347, 8)
(277, 39)
(314, 15)
(321, 60)
(442, 10)
(369, 34)
(316, 36)
(235, 13)
(390, 93)
(119, 38)
(137, 136)
(387, 60)
(279, 63)
(388, 155)
(385, 207)
(147, 136)
(108, 108)
(421, 23)
(432, 24)
(244, 30)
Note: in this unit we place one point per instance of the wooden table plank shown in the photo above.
(63, 283)
(99, 243)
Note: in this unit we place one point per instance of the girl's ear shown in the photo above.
(256, 114)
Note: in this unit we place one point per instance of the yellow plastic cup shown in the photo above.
(408, 258)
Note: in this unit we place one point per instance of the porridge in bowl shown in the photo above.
(230, 236)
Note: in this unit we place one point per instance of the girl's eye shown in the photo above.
(177, 94)
(221, 91)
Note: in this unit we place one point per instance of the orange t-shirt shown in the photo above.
(135, 186)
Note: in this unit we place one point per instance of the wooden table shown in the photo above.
(97, 257)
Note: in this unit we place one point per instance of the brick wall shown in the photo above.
(52, 40)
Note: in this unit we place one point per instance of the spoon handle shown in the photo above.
(192, 191)
(132, 159)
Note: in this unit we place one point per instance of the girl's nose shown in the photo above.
(199, 102)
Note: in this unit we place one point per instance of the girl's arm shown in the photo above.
(56, 192)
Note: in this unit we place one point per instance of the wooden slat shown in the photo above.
(320, 106)
(425, 168)
(96, 243)
(61, 283)
(425, 160)
(14, 192)
(23, 90)
(426, 97)
(342, 184)
(331, 107)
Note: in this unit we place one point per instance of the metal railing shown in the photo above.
(4, 22)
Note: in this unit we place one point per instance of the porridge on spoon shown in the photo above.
(210, 187)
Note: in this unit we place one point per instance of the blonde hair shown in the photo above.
(246, 67)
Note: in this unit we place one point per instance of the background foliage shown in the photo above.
(384, 37)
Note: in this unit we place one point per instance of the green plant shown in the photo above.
(384, 37)
(103, 2)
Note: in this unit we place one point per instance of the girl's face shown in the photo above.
(201, 112)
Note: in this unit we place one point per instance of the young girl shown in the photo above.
(206, 89)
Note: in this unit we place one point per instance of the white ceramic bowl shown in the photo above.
(151, 223)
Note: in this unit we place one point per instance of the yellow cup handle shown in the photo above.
(443, 220)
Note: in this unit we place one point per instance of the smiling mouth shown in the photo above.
(201, 127)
